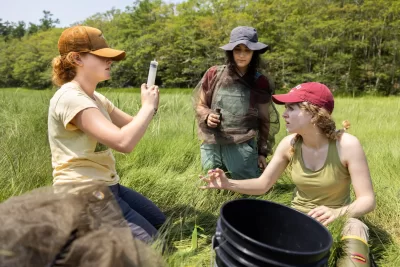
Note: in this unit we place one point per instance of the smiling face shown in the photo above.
(297, 120)
(242, 56)
(95, 67)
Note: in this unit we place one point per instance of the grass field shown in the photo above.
(166, 164)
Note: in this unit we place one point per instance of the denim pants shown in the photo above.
(143, 216)
(239, 160)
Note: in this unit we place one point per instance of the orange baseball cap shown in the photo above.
(87, 39)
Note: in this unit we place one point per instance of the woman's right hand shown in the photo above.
(215, 179)
(213, 120)
(150, 95)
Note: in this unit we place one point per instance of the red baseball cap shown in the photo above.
(312, 92)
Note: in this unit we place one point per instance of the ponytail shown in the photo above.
(64, 69)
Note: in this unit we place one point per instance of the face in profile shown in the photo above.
(296, 119)
(98, 68)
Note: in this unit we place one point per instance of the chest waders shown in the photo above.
(237, 117)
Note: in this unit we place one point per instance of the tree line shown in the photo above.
(350, 45)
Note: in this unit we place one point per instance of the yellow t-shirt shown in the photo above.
(328, 186)
(75, 155)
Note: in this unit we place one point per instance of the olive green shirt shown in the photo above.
(328, 186)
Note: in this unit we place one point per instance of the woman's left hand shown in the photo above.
(262, 162)
(324, 214)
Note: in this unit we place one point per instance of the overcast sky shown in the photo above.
(68, 12)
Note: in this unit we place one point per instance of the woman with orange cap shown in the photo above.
(323, 163)
(83, 125)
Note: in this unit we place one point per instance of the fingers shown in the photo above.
(317, 214)
(215, 179)
(153, 88)
(213, 120)
(150, 88)
(216, 172)
(262, 164)
(324, 217)
(213, 117)
(150, 95)
(209, 179)
(328, 221)
(317, 209)
(209, 186)
(205, 178)
(323, 214)
(212, 124)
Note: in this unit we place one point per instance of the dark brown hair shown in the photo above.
(253, 65)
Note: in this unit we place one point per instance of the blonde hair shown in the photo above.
(64, 69)
(323, 120)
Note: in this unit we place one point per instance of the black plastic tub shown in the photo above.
(252, 232)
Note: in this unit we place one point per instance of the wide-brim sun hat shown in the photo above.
(87, 39)
(247, 36)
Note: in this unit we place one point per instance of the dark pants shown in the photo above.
(142, 215)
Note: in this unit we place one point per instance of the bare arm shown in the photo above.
(353, 154)
(120, 118)
(124, 139)
(256, 186)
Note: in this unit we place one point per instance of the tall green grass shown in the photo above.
(166, 163)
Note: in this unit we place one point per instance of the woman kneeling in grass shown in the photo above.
(323, 163)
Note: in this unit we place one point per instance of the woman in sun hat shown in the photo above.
(237, 121)
(83, 125)
(323, 163)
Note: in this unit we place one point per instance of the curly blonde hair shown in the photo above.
(64, 69)
(323, 120)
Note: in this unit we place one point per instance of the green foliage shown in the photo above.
(352, 46)
(12, 30)
(47, 22)
(32, 59)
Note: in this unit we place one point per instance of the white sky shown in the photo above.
(68, 12)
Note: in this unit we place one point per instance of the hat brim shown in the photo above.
(113, 54)
(260, 47)
(282, 99)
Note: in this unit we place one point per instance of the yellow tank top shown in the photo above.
(328, 186)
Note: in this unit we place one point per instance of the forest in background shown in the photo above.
(350, 45)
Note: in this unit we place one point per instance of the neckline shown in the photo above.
(83, 91)
(325, 162)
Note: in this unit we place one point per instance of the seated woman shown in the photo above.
(83, 125)
(323, 163)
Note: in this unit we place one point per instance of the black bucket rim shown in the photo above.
(284, 251)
